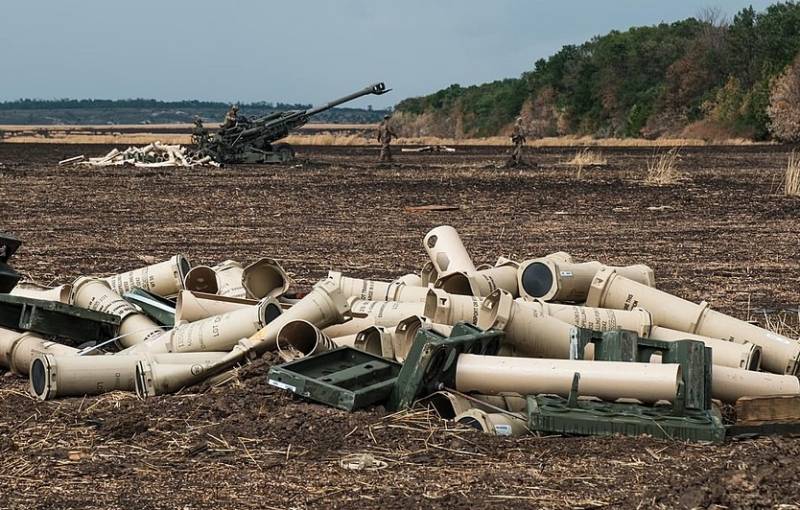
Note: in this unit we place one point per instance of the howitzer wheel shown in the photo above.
(284, 151)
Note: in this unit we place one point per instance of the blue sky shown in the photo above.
(296, 51)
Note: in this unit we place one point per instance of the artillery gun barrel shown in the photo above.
(292, 119)
(376, 89)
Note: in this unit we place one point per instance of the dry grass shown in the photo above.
(329, 139)
(112, 139)
(176, 127)
(783, 322)
(588, 157)
(662, 168)
(133, 134)
(336, 134)
(791, 181)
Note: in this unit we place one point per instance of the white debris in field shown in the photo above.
(430, 148)
(155, 155)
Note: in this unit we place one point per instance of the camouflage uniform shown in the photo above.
(231, 118)
(199, 134)
(518, 139)
(385, 135)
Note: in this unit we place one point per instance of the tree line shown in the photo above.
(706, 76)
(136, 111)
(72, 104)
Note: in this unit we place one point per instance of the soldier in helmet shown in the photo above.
(232, 117)
(385, 135)
(518, 139)
(199, 134)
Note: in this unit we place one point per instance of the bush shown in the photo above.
(784, 104)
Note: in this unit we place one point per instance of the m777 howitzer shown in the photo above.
(252, 140)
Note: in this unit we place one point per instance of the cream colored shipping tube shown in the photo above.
(376, 340)
(164, 279)
(779, 354)
(729, 384)
(382, 341)
(265, 278)
(526, 329)
(349, 327)
(229, 279)
(444, 308)
(410, 279)
(18, 349)
(446, 251)
(607, 380)
(428, 274)
(504, 275)
(449, 405)
(405, 334)
(513, 402)
(595, 319)
(95, 294)
(482, 283)
(194, 306)
(724, 353)
(371, 290)
(160, 378)
(323, 306)
(217, 333)
(347, 340)
(58, 294)
(299, 338)
(384, 313)
(550, 280)
(53, 376)
(560, 256)
(496, 424)
(201, 279)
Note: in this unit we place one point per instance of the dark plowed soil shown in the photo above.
(723, 234)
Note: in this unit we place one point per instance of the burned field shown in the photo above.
(723, 234)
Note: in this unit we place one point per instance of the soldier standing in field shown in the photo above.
(385, 135)
(518, 139)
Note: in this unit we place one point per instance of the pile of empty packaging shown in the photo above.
(541, 346)
(154, 155)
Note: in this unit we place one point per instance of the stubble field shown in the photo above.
(724, 234)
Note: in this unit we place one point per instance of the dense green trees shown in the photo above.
(784, 107)
(485, 108)
(708, 73)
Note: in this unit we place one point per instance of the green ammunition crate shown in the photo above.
(693, 356)
(431, 362)
(344, 378)
(57, 319)
(8, 277)
(551, 414)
